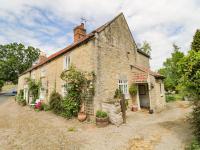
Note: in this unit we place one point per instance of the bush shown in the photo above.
(118, 94)
(45, 107)
(70, 107)
(193, 146)
(20, 98)
(101, 114)
(133, 90)
(55, 101)
(170, 98)
(195, 120)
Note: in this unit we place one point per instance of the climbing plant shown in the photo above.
(78, 84)
(34, 88)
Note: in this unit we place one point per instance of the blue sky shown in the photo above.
(48, 24)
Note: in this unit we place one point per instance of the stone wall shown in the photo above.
(81, 57)
(157, 99)
(143, 60)
(115, 52)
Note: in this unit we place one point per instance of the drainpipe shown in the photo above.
(137, 98)
(149, 89)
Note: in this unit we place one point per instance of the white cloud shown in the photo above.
(160, 22)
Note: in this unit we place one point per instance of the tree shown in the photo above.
(170, 71)
(146, 47)
(196, 41)
(189, 67)
(15, 59)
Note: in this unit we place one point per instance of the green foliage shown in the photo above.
(195, 145)
(118, 94)
(195, 119)
(34, 88)
(146, 47)
(189, 68)
(173, 97)
(1, 84)
(196, 41)
(15, 59)
(170, 70)
(70, 107)
(55, 101)
(20, 98)
(133, 90)
(170, 98)
(78, 84)
(101, 114)
(44, 107)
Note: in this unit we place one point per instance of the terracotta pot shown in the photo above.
(82, 116)
(134, 108)
(102, 122)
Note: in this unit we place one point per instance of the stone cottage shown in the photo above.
(112, 54)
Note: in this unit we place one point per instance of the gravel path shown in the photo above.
(23, 128)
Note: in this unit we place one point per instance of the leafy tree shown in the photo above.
(189, 67)
(170, 70)
(15, 59)
(146, 47)
(196, 41)
(1, 84)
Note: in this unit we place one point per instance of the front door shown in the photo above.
(144, 95)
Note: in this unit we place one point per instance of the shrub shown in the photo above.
(195, 120)
(194, 145)
(118, 94)
(55, 101)
(101, 114)
(34, 88)
(20, 99)
(170, 98)
(70, 107)
(45, 107)
(133, 90)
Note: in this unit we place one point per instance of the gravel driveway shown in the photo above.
(23, 128)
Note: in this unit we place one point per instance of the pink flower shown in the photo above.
(38, 105)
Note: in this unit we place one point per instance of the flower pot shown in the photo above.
(134, 108)
(102, 122)
(82, 116)
(151, 111)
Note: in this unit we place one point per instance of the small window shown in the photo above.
(33, 75)
(161, 91)
(67, 62)
(64, 89)
(43, 72)
(123, 86)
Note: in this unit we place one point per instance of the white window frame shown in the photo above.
(64, 91)
(43, 90)
(161, 89)
(67, 62)
(123, 85)
(33, 75)
(43, 72)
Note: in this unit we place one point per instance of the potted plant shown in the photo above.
(101, 118)
(82, 115)
(133, 92)
(118, 95)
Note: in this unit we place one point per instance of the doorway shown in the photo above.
(144, 95)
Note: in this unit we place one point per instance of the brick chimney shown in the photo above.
(79, 32)
(42, 57)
